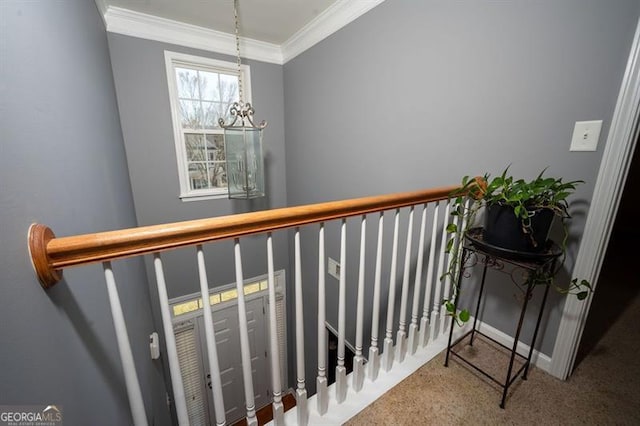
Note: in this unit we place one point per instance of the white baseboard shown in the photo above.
(371, 391)
(356, 401)
(538, 359)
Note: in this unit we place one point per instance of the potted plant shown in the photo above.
(518, 217)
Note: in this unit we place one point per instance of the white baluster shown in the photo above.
(170, 339)
(374, 352)
(245, 349)
(387, 354)
(276, 385)
(358, 359)
(437, 301)
(210, 337)
(425, 333)
(341, 370)
(301, 391)
(136, 404)
(401, 337)
(413, 327)
(321, 380)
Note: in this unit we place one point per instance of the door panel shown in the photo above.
(256, 324)
(226, 325)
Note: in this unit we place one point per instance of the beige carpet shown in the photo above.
(603, 390)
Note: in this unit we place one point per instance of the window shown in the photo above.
(201, 90)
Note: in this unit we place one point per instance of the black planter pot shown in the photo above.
(503, 229)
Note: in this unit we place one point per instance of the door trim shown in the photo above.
(614, 168)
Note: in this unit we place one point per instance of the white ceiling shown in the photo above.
(272, 21)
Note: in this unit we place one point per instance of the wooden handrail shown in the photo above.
(50, 254)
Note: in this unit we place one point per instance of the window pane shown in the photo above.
(217, 174)
(187, 83)
(217, 140)
(212, 112)
(228, 88)
(215, 147)
(203, 93)
(191, 114)
(198, 176)
(194, 144)
(209, 86)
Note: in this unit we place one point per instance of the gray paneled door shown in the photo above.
(227, 332)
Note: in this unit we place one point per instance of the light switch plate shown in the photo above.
(585, 135)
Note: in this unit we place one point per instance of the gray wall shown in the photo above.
(145, 114)
(418, 94)
(62, 163)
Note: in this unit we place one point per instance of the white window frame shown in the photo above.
(173, 60)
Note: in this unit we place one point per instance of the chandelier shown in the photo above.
(243, 141)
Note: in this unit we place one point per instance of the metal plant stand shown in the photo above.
(528, 266)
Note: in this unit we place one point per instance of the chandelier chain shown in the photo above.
(235, 12)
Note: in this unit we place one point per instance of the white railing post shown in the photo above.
(401, 337)
(321, 380)
(358, 359)
(437, 301)
(136, 404)
(301, 391)
(210, 338)
(341, 370)
(413, 327)
(276, 385)
(387, 354)
(374, 351)
(170, 340)
(425, 321)
(245, 349)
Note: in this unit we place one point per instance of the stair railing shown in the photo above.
(50, 255)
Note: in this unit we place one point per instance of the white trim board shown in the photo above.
(136, 24)
(141, 25)
(612, 175)
(336, 16)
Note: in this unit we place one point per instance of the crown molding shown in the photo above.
(102, 8)
(338, 15)
(135, 24)
(141, 25)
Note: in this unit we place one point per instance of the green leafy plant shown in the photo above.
(525, 198)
